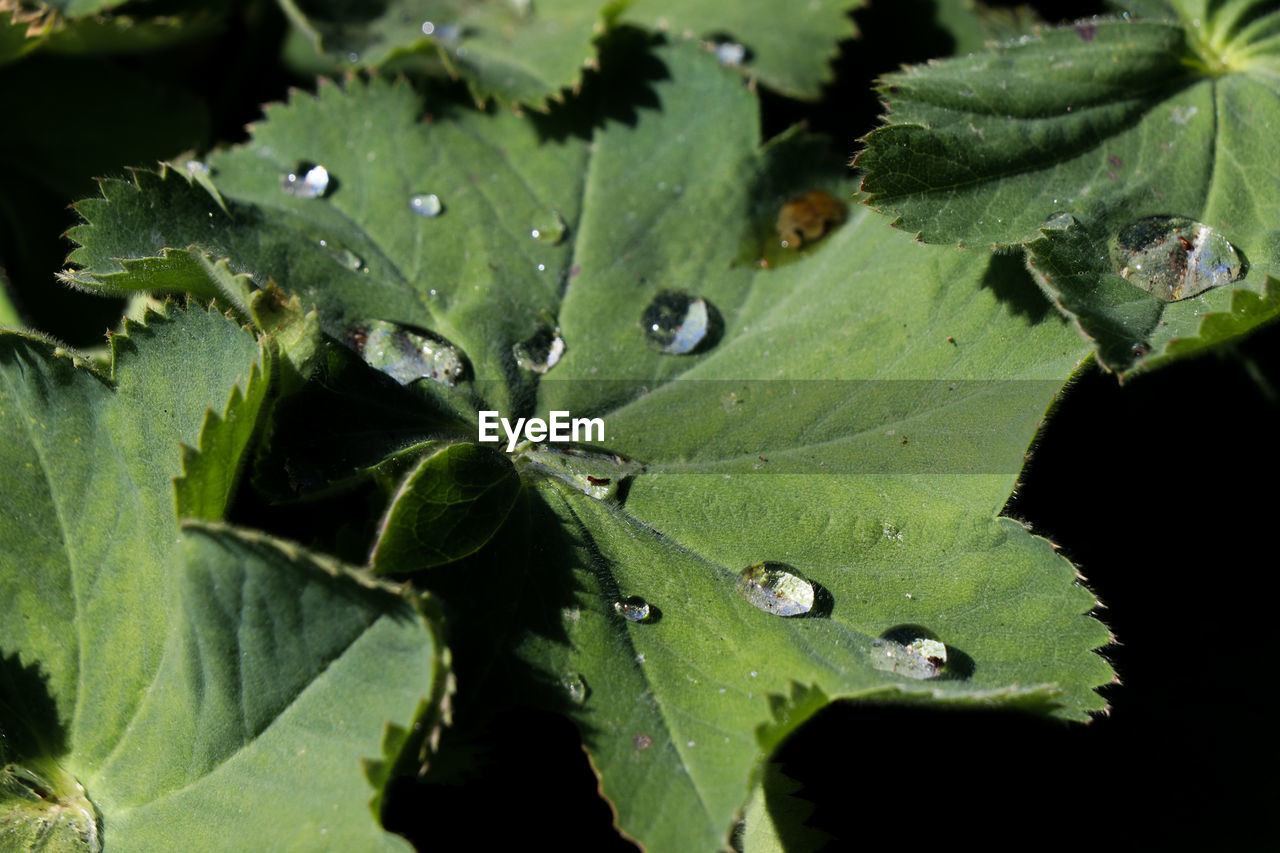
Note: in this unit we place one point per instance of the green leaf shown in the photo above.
(211, 473)
(8, 311)
(190, 675)
(528, 52)
(1112, 122)
(460, 495)
(973, 25)
(788, 47)
(775, 817)
(861, 416)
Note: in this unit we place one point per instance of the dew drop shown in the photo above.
(1172, 257)
(576, 686)
(1060, 222)
(550, 230)
(776, 588)
(679, 324)
(407, 355)
(194, 166)
(633, 609)
(306, 182)
(807, 217)
(541, 351)
(909, 652)
(426, 204)
(594, 471)
(346, 257)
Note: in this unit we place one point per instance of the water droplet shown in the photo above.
(550, 230)
(633, 609)
(576, 686)
(541, 351)
(313, 183)
(346, 257)
(910, 652)
(1060, 222)
(426, 204)
(407, 355)
(730, 53)
(595, 472)
(680, 324)
(1172, 257)
(776, 588)
(428, 28)
(807, 217)
(194, 166)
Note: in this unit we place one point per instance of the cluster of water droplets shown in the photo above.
(408, 355)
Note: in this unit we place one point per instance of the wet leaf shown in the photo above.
(861, 419)
(528, 51)
(1111, 122)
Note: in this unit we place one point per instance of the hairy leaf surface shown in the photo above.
(179, 678)
(1110, 122)
(861, 416)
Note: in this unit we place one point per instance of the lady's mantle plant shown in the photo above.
(254, 562)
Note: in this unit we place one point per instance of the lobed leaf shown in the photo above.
(1111, 122)
(861, 415)
(179, 678)
(530, 53)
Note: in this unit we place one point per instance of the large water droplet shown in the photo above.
(551, 229)
(541, 351)
(909, 652)
(1172, 257)
(576, 686)
(776, 588)
(678, 324)
(407, 356)
(306, 182)
(594, 471)
(807, 217)
(633, 609)
(426, 204)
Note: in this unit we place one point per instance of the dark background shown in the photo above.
(1159, 491)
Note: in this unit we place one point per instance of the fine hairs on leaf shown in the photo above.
(533, 364)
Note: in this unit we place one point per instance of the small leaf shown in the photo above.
(448, 507)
